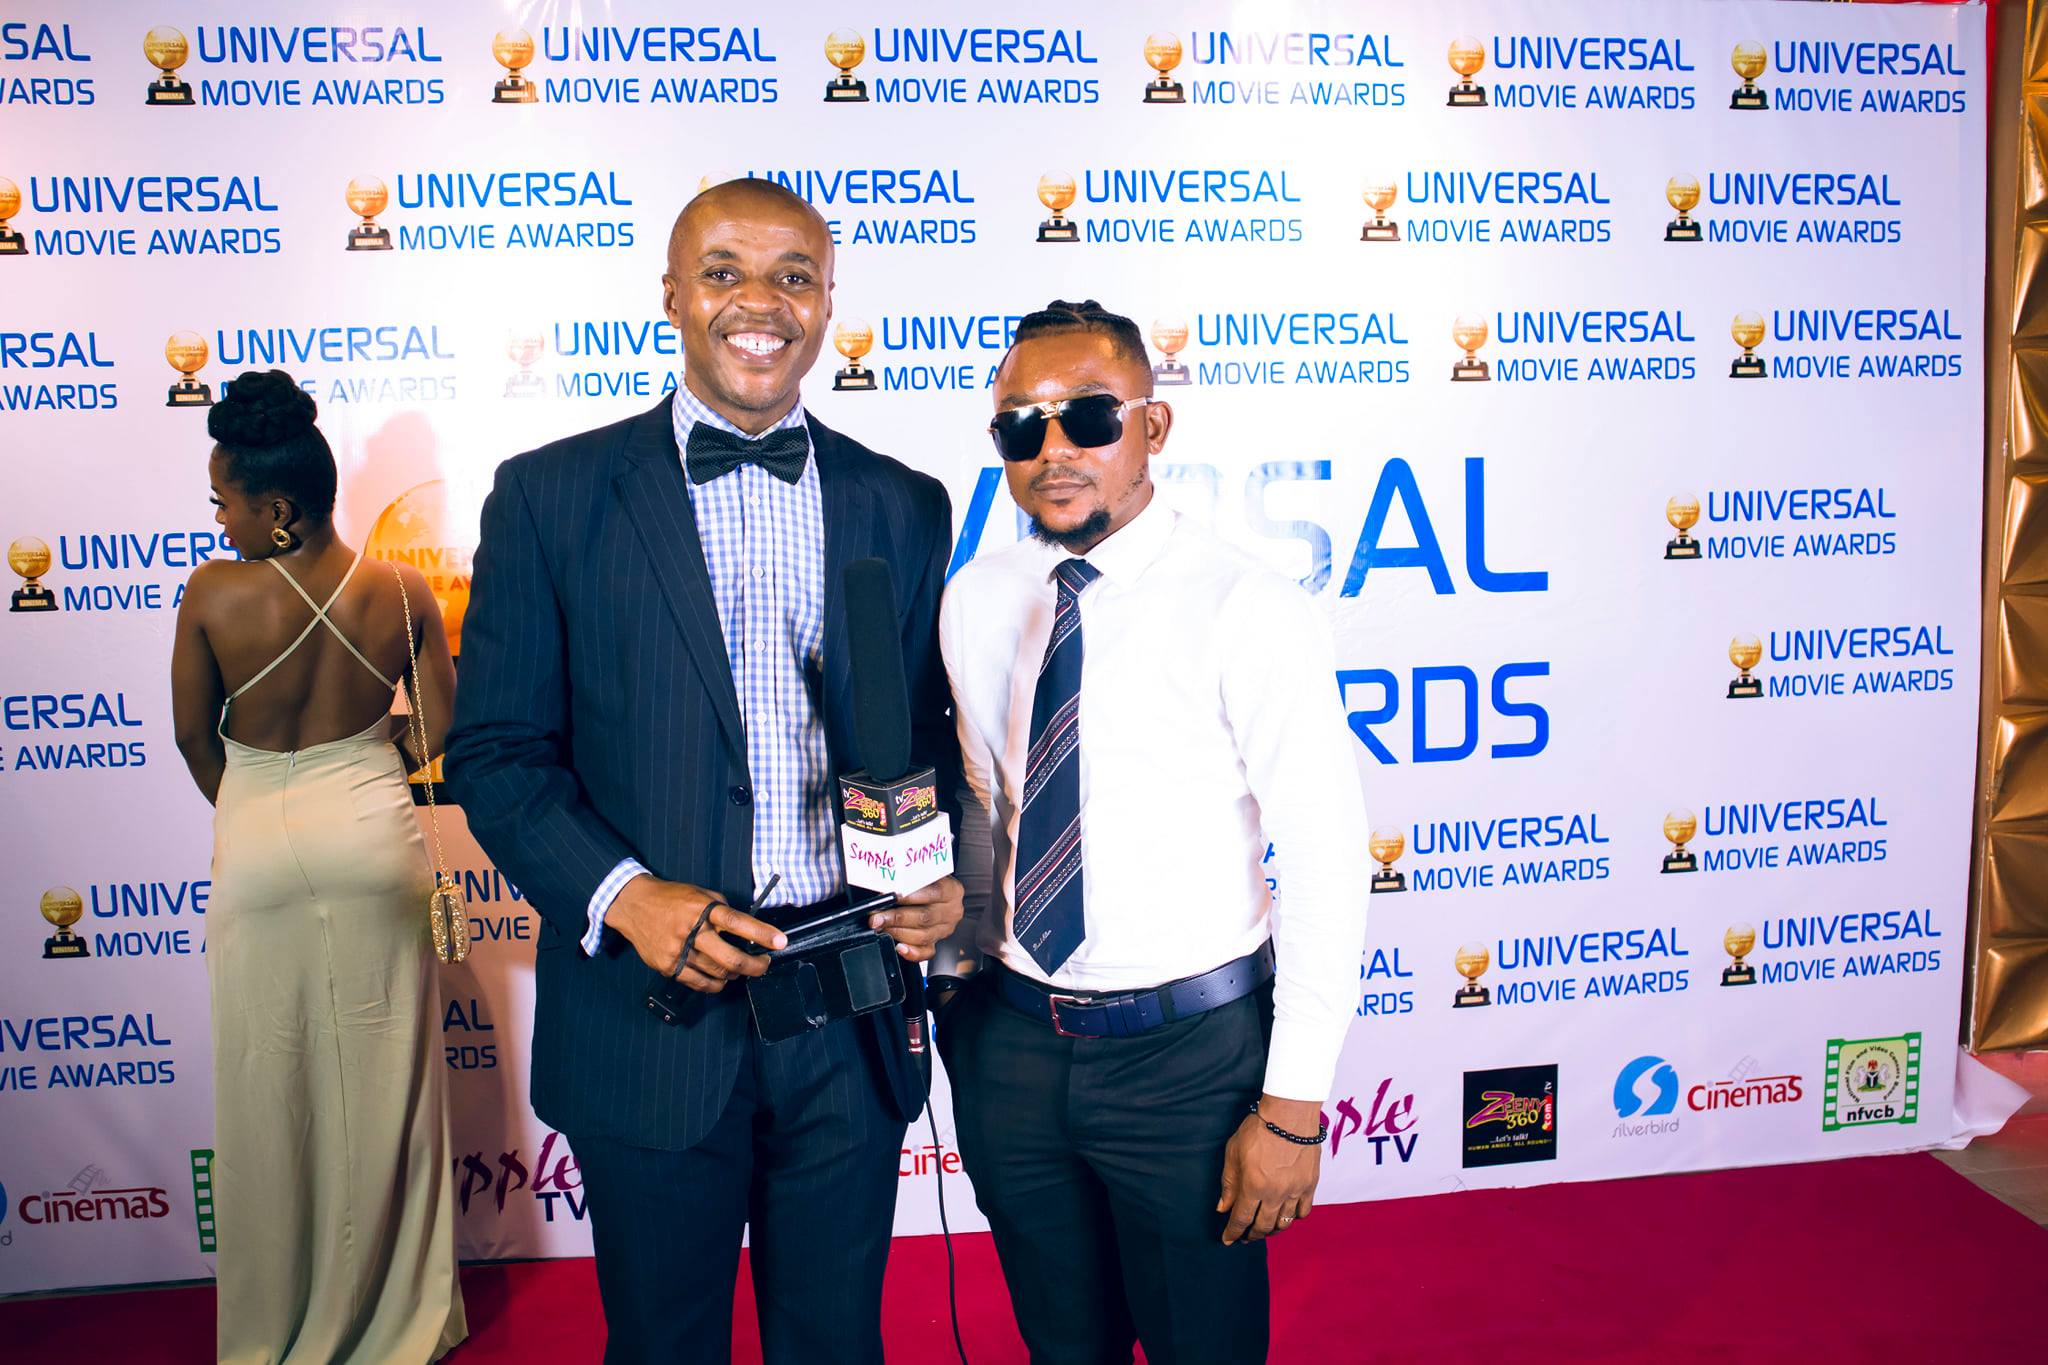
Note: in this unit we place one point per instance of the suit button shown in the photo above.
(742, 797)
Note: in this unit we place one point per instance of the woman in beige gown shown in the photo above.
(331, 1176)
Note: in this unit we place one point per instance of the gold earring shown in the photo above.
(280, 537)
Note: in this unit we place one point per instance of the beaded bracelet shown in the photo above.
(1322, 1129)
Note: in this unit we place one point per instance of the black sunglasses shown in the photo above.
(1095, 419)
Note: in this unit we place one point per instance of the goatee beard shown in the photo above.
(1080, 538)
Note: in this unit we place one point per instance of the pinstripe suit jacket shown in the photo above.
(596, 718)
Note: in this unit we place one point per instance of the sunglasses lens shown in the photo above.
(1019, 433)
(1092, 421)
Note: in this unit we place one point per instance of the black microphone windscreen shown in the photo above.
(881, 698)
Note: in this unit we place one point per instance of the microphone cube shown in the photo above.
(889, 807)
(894, 835)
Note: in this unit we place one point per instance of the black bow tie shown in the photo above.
(712, 452)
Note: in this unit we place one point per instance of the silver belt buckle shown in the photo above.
(1053, 1001)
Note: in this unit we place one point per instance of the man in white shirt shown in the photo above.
(1139, 1046)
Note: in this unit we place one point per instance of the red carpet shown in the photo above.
(1876, 1259)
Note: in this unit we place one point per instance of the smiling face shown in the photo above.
(1076, 496)
(749, 287)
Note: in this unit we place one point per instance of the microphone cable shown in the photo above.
(939, 1183)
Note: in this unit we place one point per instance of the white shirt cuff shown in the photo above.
(601, 900)
(1301, 1063)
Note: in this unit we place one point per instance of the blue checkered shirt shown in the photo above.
(764, 543)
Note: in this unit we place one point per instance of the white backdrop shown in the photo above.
(1532, 684)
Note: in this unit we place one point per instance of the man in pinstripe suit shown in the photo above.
(653, 705)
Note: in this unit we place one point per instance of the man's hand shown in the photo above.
(921, 920)
(1269, 1182)
(655, 916)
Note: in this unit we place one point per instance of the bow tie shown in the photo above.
(712, 452)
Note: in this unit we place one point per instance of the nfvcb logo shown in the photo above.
(1872, 1080)
(202, 1197)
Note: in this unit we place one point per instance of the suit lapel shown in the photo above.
(849, 535)
(650, 484)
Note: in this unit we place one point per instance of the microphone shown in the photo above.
(894, 835)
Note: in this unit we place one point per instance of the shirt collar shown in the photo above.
(687, 410)
(1127, 552)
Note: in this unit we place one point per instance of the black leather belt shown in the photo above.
(1130, 1013)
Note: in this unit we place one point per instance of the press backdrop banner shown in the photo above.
(1610, 372)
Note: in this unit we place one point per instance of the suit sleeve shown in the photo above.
(932, 735)
(508, 752)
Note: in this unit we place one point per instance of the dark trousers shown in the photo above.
(805, 1157)
(1098, 1162)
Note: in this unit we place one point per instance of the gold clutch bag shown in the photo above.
(450, 919)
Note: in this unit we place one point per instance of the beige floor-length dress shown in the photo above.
(332, 1186)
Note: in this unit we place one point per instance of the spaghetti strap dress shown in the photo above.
(334, 1212)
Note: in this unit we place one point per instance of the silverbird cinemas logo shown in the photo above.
(90, 1198)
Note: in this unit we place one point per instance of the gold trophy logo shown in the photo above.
(187, 353)
(1743, 652)
(1466, 56)
(853, 339)
(1162, 54)
(1470, 334)
(1682, 192)
(514, 52)
(418, 529)
(30, 557)
(1749, 61)
(367, 197)
(1683, 512)
(1170, 336)
(1386, 846)
(167, 50)
(1472, 961)
(1679, 827)
(845, 49)
(1739, 941)
(1748, 331)
(12, 243)
(62, 907)
(1056, 192)
(1380, 196)
(522, 349)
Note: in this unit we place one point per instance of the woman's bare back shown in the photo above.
(320, 691)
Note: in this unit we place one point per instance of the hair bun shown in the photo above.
(261, 408)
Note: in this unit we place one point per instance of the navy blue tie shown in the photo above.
(1048, 920)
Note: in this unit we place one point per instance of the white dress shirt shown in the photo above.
(1210, 724)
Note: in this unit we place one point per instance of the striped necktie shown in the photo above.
(1048, 919)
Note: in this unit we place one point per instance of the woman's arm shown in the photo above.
(196, 688)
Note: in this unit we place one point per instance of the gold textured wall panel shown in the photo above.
(2008, 993)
